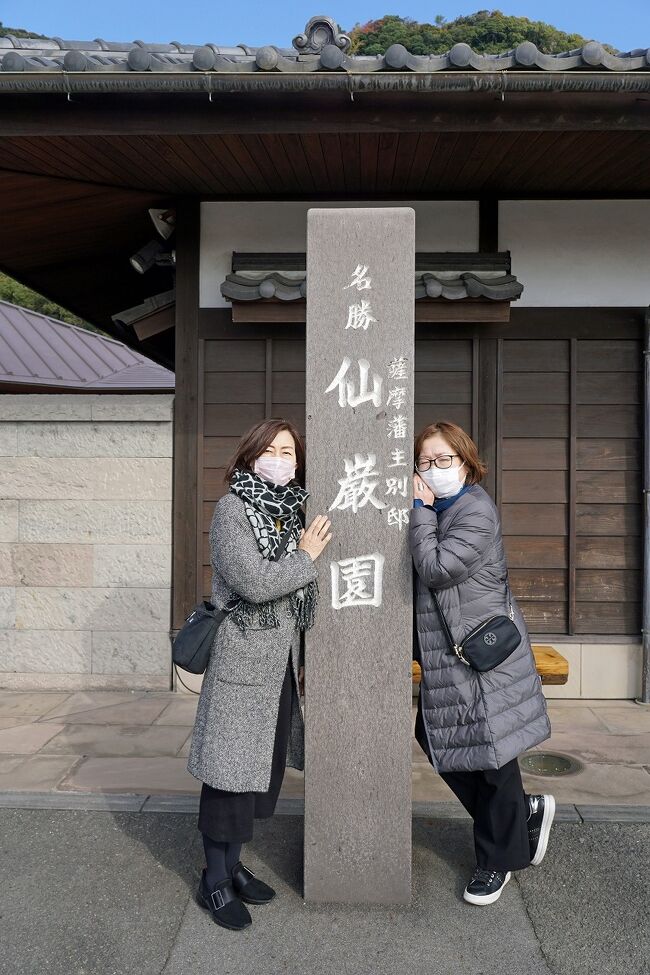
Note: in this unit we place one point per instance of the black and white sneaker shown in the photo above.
(541, 811)
(485, 886)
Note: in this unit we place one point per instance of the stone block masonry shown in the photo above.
(85, 540)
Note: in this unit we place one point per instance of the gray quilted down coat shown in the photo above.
(234, 731)
(470, 720)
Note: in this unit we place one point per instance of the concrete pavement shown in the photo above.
(111, 893)
(127, 742)
(101, 856)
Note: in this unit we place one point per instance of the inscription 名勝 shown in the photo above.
(360, 279)
(360, 316)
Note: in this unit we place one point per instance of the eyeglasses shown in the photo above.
(443, 462)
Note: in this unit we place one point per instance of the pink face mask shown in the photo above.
(278, 470)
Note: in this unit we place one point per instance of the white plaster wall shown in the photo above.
(85, 540)
(578, 252)
(282, 226)
(598, 670)
(565, 252)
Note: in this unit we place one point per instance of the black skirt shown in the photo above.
(228, 816)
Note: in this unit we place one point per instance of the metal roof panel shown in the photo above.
(36, 349)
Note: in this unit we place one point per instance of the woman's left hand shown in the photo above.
(301, 681)
(422, 490)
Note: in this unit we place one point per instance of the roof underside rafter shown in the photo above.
(93, 133)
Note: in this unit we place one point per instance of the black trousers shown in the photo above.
(228, 817)
(496, 801)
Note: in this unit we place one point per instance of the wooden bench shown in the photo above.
(552, 667)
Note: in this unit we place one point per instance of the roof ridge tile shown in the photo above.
(320, 47)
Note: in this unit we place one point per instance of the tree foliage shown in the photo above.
(17, 32)
(19, 294)
(486, 31)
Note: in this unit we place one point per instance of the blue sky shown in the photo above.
(625, 24)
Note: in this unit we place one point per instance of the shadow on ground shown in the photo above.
(98, 893)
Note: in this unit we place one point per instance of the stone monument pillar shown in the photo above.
(360, 348)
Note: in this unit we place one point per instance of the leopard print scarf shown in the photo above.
(271, 509)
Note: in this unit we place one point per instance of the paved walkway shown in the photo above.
(101, 893)
(126, 743)
(101, 857)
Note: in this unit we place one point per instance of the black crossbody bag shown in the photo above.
(489, 643)
(192, 645)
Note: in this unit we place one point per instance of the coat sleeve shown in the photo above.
(441, 564)
(235, 554)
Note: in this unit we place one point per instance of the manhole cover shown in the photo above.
(548, 763)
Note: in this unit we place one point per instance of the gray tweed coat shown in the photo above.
(471, 720)
(234, 732)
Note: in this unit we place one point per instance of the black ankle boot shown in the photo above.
(248, 887)
(224, 905)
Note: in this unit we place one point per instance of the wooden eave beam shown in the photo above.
(155, 323)
(426, 310)
(410, 110)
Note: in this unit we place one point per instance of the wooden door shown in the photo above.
(553, 401)
(259, 373)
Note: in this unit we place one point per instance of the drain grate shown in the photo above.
(549, 763)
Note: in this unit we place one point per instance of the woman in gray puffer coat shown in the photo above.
(248, 722)
(472, 725)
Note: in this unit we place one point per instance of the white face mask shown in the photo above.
(444, 484)
(278, 470)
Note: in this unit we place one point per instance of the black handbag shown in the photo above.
(489, 643)
(192, 645)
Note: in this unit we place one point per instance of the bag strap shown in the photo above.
(511, 612)
(228, 608)
(444, 623)
(453, 646)
(284, 541)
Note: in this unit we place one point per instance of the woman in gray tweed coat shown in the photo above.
(249, 721)
(472, 725)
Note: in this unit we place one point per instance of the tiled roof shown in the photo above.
(40, 351)
(321, 47)
(148, 307)
(451, 276)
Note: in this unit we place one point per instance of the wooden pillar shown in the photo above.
(360, 350)
(645, 671)
(487, 432)
(186, 586)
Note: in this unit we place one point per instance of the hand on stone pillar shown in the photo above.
(314, 539)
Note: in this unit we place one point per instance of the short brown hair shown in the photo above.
(253, 444)
(460, 442)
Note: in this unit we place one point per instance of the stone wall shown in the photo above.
(85, 540)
